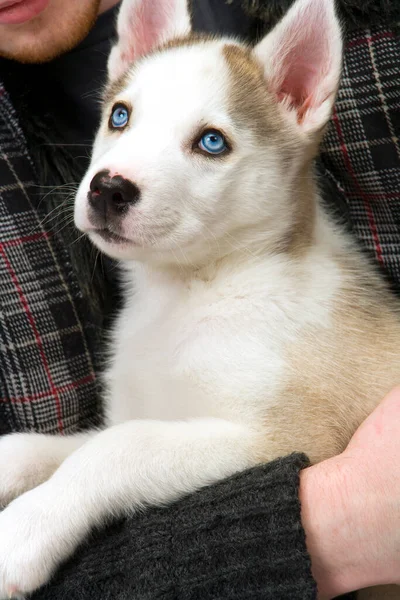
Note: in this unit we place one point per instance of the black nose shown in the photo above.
(112, 195)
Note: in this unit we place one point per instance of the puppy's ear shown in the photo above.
(142, 25)
(302, 58)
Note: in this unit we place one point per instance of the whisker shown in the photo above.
(78, 239)
(49, 217)
(94, 266)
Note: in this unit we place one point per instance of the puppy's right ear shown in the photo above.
(143, 25)
(301, 59)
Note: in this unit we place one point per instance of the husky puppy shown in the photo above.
(252, 325)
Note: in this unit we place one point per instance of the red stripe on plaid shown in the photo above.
(385, 196)
(370, 38)
(371, 218)
(61, 390)
(27, 238)
(31, 320)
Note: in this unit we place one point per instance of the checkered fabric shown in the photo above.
(47, 375)
(361, 149)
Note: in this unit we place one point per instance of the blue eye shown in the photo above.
(213, 142)
(119, 116)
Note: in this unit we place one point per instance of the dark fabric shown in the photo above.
(222, 17)
(240, 539)
(353, 13)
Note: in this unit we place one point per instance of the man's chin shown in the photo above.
(36, 54)
(41, 40)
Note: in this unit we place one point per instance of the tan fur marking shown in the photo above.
(250, 103)
(337, 375)
(191, 39)
(115, 88)
(301, 234)
(255, 108)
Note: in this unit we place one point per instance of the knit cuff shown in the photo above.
(243, 538)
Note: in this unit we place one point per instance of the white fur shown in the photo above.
(198, 348)
(28, 459)
(198, 351)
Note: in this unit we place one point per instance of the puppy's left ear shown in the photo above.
(302, 58)
(143, 25)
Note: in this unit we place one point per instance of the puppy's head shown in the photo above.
(202, 139)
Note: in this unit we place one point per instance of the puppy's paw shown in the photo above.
(32, 544)
(24, 463)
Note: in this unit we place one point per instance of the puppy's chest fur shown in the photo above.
(190, 349)
(302, 347)
(215, 344)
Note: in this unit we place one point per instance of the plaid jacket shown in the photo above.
(47, 371)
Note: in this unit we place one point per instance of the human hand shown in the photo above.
(351, 507)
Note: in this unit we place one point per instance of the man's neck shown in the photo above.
(106, 5)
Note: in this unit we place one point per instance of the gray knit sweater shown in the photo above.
(239, 539)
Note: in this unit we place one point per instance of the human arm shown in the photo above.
(351, 509)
